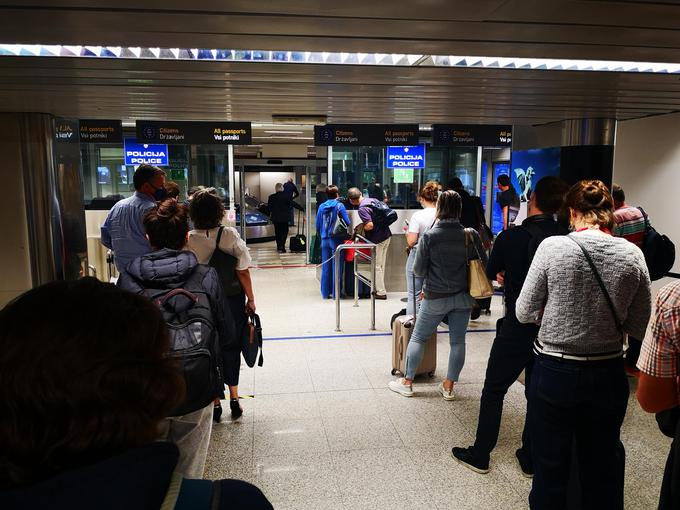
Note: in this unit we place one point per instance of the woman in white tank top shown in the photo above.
(421, 222)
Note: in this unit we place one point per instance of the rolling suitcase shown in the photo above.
(298, 243)
(402, 328)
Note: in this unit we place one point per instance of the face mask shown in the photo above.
(160, 194)
(439, 193)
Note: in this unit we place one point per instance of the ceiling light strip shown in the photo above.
(362, 59)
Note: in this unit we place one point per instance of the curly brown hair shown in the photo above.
(206, 209)
(430, 191)
(167, 225)
(592, 199)
(84, 377)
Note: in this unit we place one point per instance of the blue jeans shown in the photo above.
(432, 311)
(581, 404)
(328, 247)
(409, 283)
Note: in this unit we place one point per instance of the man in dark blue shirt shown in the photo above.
(123, 231)
(291, 191)
(511, 351)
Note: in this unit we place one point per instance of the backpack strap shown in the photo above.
(172, 493)
(648, 225)
(219, 237)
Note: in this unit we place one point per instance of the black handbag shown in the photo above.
(225, 265)
(340, 227)
(251, 340)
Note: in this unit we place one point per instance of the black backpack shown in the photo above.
(383, 216)
(194, 342)
(225, 265)
(659, 251)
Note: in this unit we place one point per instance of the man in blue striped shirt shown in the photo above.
(123, 231)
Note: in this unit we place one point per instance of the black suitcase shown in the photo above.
(298, 243)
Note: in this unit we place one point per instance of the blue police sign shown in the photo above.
(138, 153)
(406, 157)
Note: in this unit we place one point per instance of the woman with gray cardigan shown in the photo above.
(586, 290)
(441, 258)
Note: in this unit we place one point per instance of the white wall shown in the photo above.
(269, 179)
(647, 167)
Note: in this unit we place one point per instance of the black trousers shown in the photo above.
(281, 232)
(577, 407)
(231, 358)
(633, 352)
(511, 353)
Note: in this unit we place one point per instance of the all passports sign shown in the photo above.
(180, 132)
(406, 157)
(365, 134)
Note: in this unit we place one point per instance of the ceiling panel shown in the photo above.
(603, 30)
(176, 89)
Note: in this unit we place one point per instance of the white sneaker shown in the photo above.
(447, 394)
(398, 386)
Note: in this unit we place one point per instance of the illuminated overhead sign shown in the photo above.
(138, 153)
(66, 130)
(101, 131)
(188, 132)
(366, 134)
(471, 135)
(406, 157)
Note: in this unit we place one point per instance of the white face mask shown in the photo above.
(439, 193)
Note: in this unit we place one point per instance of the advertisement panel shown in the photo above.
(530, 166)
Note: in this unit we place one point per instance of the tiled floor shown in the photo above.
(324, 432)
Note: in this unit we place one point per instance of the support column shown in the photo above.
(43, 220)
(587, 150)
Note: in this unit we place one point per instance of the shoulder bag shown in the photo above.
(225, 265)
(479, 285)
(340, 227)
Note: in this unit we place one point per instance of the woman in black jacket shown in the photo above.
(171, 267)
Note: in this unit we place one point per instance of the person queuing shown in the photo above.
(378, 234)
(630, 224)
(512, 349)
(441, 259)
(206, 212)
(578, 392)
(81, 403)
(172, 190)
(658, 386)
(508, 200)
(326, 219)
(168, 267)
(421, 222)
(292, 192)
(321, 195)
(280, 209)
(122, 230)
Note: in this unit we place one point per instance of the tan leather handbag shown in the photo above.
(478, 284)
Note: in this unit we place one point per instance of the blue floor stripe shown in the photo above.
(361, 335)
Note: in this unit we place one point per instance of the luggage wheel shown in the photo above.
(394, 371)
(430, 374)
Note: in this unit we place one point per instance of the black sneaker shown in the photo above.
(525, 464)
(471, 460)
(236, 410)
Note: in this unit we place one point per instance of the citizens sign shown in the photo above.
(151, 154)
(406, 157)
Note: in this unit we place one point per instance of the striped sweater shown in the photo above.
(630, 224)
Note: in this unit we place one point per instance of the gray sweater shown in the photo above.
(562, 294)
